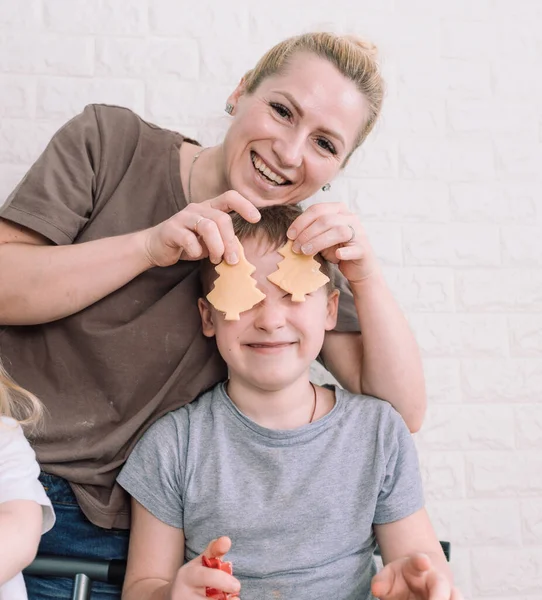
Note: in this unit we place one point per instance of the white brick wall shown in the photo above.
(449, 188)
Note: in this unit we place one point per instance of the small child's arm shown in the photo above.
(21, 524)
(415, 565)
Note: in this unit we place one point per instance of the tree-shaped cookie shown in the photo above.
(297, 274)
(235, 290)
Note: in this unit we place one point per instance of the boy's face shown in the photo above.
(274, 343)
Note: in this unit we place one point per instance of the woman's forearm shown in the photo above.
(41, 283)
(391, 366)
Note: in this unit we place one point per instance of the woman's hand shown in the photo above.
(198, 231)
(334, 231)
(193, 578)
(413, 578)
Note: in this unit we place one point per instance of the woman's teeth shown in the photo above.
(266, 171)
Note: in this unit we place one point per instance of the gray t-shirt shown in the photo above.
(299, 505)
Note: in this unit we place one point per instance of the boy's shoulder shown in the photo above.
(364, 404)
(369, 413)
(197, 409)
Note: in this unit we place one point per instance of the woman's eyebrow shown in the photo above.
(301, 113)
(292, 100)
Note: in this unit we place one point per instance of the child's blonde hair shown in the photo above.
(18, 403)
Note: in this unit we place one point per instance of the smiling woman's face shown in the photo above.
(291, 136)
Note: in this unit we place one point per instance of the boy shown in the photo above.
(298, 480)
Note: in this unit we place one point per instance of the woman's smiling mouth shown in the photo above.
(266, 172)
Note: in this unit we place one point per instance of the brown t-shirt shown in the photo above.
(108, 372)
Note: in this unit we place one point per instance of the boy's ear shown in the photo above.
(233, 98)
(207, 325)
(332, 310)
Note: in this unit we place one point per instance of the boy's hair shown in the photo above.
(272, 227)
(18, 403)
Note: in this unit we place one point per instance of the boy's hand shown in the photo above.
(413, 578)
(194, 578)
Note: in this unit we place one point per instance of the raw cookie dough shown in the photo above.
(235, 290)
(297, 274)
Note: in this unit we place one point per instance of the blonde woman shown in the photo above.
(25, 509)
(99, 252)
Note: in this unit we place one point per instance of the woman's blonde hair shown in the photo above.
(354, 57)
(18, 403)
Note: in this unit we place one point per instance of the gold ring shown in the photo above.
(353, 234)
(197, 223)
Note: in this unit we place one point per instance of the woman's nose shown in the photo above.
(289, 150)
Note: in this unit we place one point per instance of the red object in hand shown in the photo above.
(216, 563)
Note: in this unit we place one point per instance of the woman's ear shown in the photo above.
(332, 310)
(207, 325)
(233, 98)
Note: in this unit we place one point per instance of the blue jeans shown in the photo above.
(74, 535)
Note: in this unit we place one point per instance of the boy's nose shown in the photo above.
(269, 317)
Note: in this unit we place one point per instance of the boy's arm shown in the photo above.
(403, 541)
(20, 530)
(155, 555)
(408, 536)
(155, 558)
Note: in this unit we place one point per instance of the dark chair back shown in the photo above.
(84, 571)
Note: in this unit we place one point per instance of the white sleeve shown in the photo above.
(19, 471)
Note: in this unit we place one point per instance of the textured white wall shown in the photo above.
(449, 188)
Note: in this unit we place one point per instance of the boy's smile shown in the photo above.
(270, 347)
(273, 344)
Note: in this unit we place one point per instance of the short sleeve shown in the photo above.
(154, 472)
(55, 197)
(347, 318)
(19, 471)
(401, 493)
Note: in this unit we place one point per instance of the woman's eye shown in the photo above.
(281, 110)
(326, 145)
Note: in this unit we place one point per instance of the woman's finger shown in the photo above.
(191, 248)
(233, 201)
(171, 241)
(312, 214)
(216, 210)
(210, 237)
(225, 228)
(325, 233)
(213, 228)
(348, 253)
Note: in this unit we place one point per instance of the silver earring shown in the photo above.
(326, 187)
(229, 108)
